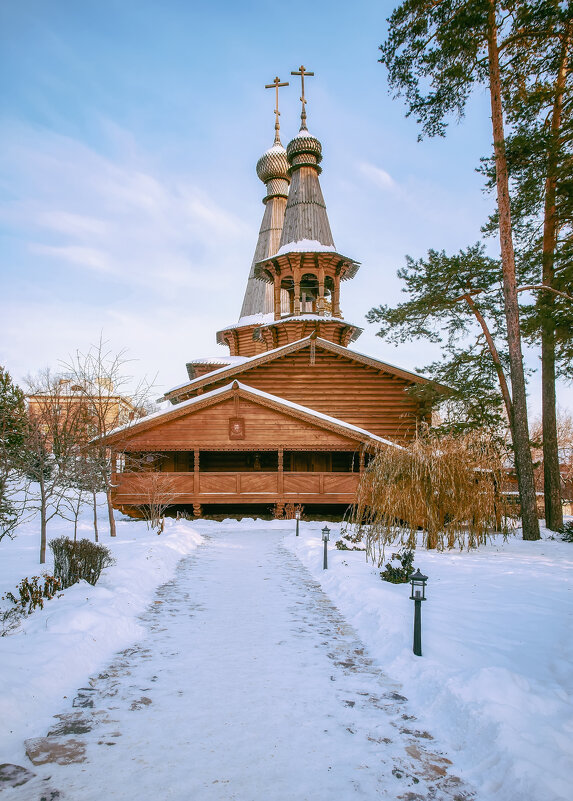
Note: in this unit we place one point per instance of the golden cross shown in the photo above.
(276, 83)
(302, 72)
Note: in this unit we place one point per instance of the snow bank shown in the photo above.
(56, 649)
(495, 684)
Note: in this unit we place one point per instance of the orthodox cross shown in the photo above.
(302, 72)
(276, 83)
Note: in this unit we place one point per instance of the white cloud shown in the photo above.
(377, 175)
(84, 257)
(119, 216)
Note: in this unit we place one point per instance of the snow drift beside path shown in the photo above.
(56, 649)
(495, 684)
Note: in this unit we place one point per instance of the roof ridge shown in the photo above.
(269, 355)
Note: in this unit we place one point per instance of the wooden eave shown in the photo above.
(326, 259)
(254, 396)
(268, 356)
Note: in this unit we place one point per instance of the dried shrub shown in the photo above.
(74, 561)
(447, 487)
(32, 593)
(287, 511)
(10, 620)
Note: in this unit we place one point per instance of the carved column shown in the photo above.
(277, 302)
(321, 299)
(281, 477)
(336, 297)
(196, 488)
(296, 278)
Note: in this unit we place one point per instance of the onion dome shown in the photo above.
(304, 149)
(273, 164)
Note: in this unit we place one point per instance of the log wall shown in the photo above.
(337, 386)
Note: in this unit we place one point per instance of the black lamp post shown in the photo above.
(418, 582)
(325, 538)
(297, 516)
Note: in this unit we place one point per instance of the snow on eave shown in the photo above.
(248, 390)
(305, 246)
(219, 370)
(395, 367)
(265, 320)
(222, 369)
(223, 360)
(250, 319)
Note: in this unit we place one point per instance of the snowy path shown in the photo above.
(248, 687)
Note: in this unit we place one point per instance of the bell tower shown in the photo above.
(299, 275)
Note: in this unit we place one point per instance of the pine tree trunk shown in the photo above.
(519, 425)
(551, 471)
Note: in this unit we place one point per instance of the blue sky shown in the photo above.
(129, 133)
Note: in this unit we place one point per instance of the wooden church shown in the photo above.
(289, 417)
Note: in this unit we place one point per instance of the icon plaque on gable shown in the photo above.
(236, 428)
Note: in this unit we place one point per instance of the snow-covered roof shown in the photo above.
(200, 399)
(305, 246)
(322, 317)
(219, 360)
(295, 345)
(251, 319)
(268, 319)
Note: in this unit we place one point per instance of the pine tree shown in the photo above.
(447, 305)
(437, 52)
(538, 97)
(13, 421)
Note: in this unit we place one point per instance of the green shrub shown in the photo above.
(567, 532)
(399, 575)
(351, 541)
(74, 561)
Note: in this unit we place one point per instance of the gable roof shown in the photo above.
(304, 413)
(277, 353)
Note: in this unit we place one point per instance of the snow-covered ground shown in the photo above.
(494, 687)
(55, 649)
(495, 683)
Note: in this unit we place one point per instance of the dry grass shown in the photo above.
(448, 487)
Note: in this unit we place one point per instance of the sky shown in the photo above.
(130, 206)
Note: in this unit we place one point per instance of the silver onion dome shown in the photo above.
(273, 164)
(304, 144)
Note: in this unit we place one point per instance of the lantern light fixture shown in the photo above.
(418, 594)
(325, 538)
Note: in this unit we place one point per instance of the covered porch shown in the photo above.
(221, 477)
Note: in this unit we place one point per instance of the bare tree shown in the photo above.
(112, 400)
(54, 434)
(564, 428)
(159, 491)
(83, 482)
